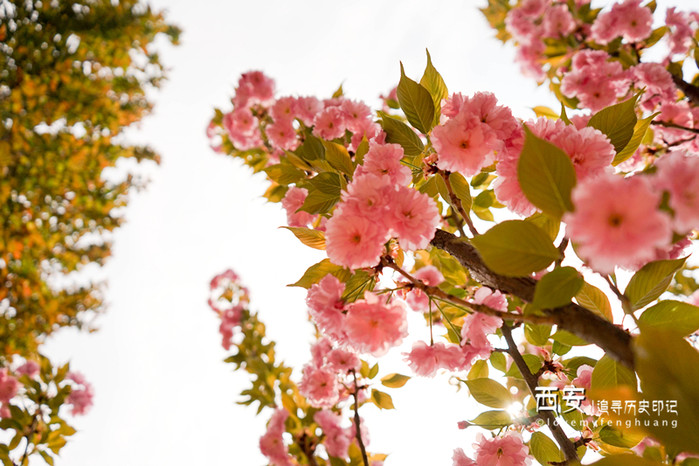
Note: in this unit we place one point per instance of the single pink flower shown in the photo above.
(678, 174)
(80, 395)
(29, 368)
(414, 218)
(609, 230)
(319, 385)
(508, 450)
(283, 110)
(426, 359)
(558, 21)
(282, 135)
(337, 439)
(306, 109)
(254, 88)
(326, 306)
(384, 160)
(292, 202)
(329, 124)
(353, 240)
(272, 444)
(373, 326)
(460, 459)
(8, 386)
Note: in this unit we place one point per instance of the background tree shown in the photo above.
(75, 75)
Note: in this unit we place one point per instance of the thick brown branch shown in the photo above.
(532, 381)
(667, 124)
(573, 318)
(690, 90)
(357, 426)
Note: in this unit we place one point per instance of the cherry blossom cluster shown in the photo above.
(426, 359)
(9, 386)
(497, 451)
(228, 298)
(81, 394)
(272, 443)
(376, 207)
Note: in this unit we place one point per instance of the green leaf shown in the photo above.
(546, 223)
(492, 420)
(398, 132)
(546, 175)
(675, 316)
(617, 122)
(594, 299)
(362, 149)
(312, 149)
(435, 85)
(568, 339)
(323, 193)
(542, 111)
(667, 366)
(338, 157)
(317, 271)
(544, 449)
(394, 380)
(373, 371)
(490, 393)
(479, 370)
(557, 288)
(625, 460)
(639, 132)
(537, 334)
(381, 399)
(651, 281)
(516, 248)
(533, 363)
(338, 93)
(610, 374)
(460, 187)
(312, 238)
(618, 438)
(416, 103)
(499, 361)
(284, 172)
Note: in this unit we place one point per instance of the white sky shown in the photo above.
(163, 394)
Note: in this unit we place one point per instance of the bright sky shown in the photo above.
(163, 394)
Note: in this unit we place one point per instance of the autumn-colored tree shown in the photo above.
(74, 76)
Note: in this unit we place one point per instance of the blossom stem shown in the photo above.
(532, 380)
(358, 431)
(668, 124)
(456, 202)
(437, 293)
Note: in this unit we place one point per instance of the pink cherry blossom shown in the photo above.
(337, 439)
(616, 222)
(373, 326)
(658, 83)
(680, 35)
(242, 128)
(626, 19)
(230, 320)
(330, 123)
(414, 218)
(253, 88)
(343, 360)
(326, 306)
(558, 21)
(426, 359)
(352, 240)
(356, 114)
(320, 350)
(384, 160)
(319, 385)
(282, 135)
(284, 110)
(8, 386)
(508, 450)
(29, 368)
(292, 202)
(460, 459)
(272, 444)
(306, 109)
(81, 395)
(584, 377)
(430, 276)
(678, 174)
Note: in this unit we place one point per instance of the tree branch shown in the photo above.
(667, 124)
(690, 90)
(358, 430)
(532, 381)
(572, 317)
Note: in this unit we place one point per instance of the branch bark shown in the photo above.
(690, 90)
(574, 318)
(567, 447)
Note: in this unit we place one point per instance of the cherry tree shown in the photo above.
(521, 242)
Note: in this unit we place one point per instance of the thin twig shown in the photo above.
(456, 202)
(667, 124)
(358, 431)
(532, 381)
(436, 292)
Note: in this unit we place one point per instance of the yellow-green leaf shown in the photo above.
(416, 103)
(381, 399)
(312, 238)
(394, 380)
